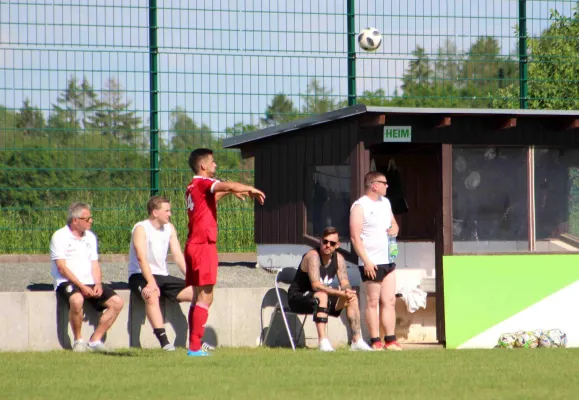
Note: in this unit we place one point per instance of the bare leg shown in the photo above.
(75, 314)
(153, 311)
(371, 312)
(388, 304)
(321, 326)
(186, 295)
(114, 306)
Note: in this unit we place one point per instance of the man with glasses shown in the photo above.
(77, 277)
(371, 221)
(311, 291)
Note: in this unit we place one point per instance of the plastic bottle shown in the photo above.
(392, 248)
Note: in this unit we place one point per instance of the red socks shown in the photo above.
(197, 320)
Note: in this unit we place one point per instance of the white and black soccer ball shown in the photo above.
(369, 39)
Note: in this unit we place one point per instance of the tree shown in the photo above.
(318, 99)
(30, 120)
(77, 99)
(417, 77)
(553, 68)
(113, 116)
(186, 134)
(280, 110)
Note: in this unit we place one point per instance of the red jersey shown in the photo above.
(201, 210)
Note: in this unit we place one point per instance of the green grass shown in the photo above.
(305, 374)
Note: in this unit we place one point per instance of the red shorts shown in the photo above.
(201, 261)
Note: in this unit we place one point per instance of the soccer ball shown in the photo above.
(545, 341)
(506, 341)
(369, 39)
(533, 341)
(558, 338)
(523, 340)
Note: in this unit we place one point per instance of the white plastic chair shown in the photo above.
(285, 275)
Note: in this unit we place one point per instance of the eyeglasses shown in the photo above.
(382, 182)
(331, 242)
(86, 218)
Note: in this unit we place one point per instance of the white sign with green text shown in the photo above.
(397, 134)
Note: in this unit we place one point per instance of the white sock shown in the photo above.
(94, 343)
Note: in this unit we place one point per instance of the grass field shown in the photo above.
(305, 374)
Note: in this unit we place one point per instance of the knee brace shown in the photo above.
(318, 309)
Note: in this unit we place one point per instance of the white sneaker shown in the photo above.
(360, 345)
(207, 347)
(79, 346)
(97, 347)
(325, 345)
(168, 347)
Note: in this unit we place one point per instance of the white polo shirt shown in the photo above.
(78, 253)
(157, 242)
(374, 235)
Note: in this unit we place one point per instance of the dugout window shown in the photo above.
(328, 200)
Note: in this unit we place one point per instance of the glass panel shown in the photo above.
(489, 200)
(328, 200)
(556, 199)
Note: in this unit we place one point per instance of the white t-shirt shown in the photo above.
(157, 248)
(377, 220)
(78, 254)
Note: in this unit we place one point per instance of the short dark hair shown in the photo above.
(155, 203)
(370, 177)
(330, 230)
(196, 156)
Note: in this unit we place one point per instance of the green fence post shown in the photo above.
(523, 60)
(351, 26)
(154, 97)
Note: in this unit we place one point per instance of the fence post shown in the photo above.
(523, 59)
(153, 98)
(351, 25)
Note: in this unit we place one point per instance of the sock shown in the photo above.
(374, 340)
(197, 319)
(390, 339)
(161, 336)
(91, 343)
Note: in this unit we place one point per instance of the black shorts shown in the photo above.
(381, 273)
(67, 289)
(303, 303)
(169, 286)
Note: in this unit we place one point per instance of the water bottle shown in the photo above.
(392, 248)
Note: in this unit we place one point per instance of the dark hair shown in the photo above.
(330, 230)
(196, 156)
(370, 177)
(155, 203)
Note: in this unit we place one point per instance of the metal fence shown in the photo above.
(101, 101)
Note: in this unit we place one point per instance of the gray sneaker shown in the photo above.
(98, 347)
(168, 347)
(207, 347)
(79, 346)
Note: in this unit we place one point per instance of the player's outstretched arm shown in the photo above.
(236, 187)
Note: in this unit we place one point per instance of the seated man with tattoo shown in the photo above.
(311, 291)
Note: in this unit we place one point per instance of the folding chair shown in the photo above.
(285, 275)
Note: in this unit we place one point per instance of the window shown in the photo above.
(489, 200)
(328, 200)
(556, 199)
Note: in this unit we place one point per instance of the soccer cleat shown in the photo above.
(79, 346)
(97, 347)
(325, 345)
(377, 346)
(360, 345)
(393, 346)
(168, 347)
(198, 353)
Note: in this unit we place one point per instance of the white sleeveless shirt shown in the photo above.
(157, 248)
(377, 220)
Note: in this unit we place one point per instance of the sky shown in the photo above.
(223, 60)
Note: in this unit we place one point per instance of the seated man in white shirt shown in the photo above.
(148, 273)
(77, 277)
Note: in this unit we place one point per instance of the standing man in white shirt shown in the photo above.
(371, 221)
(77, 277)
(148, 274)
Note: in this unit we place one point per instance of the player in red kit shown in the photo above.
(201, 249)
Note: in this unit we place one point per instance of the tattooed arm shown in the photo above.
(343, 278)
(311, 265)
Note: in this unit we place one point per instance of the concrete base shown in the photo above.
(38, 321)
